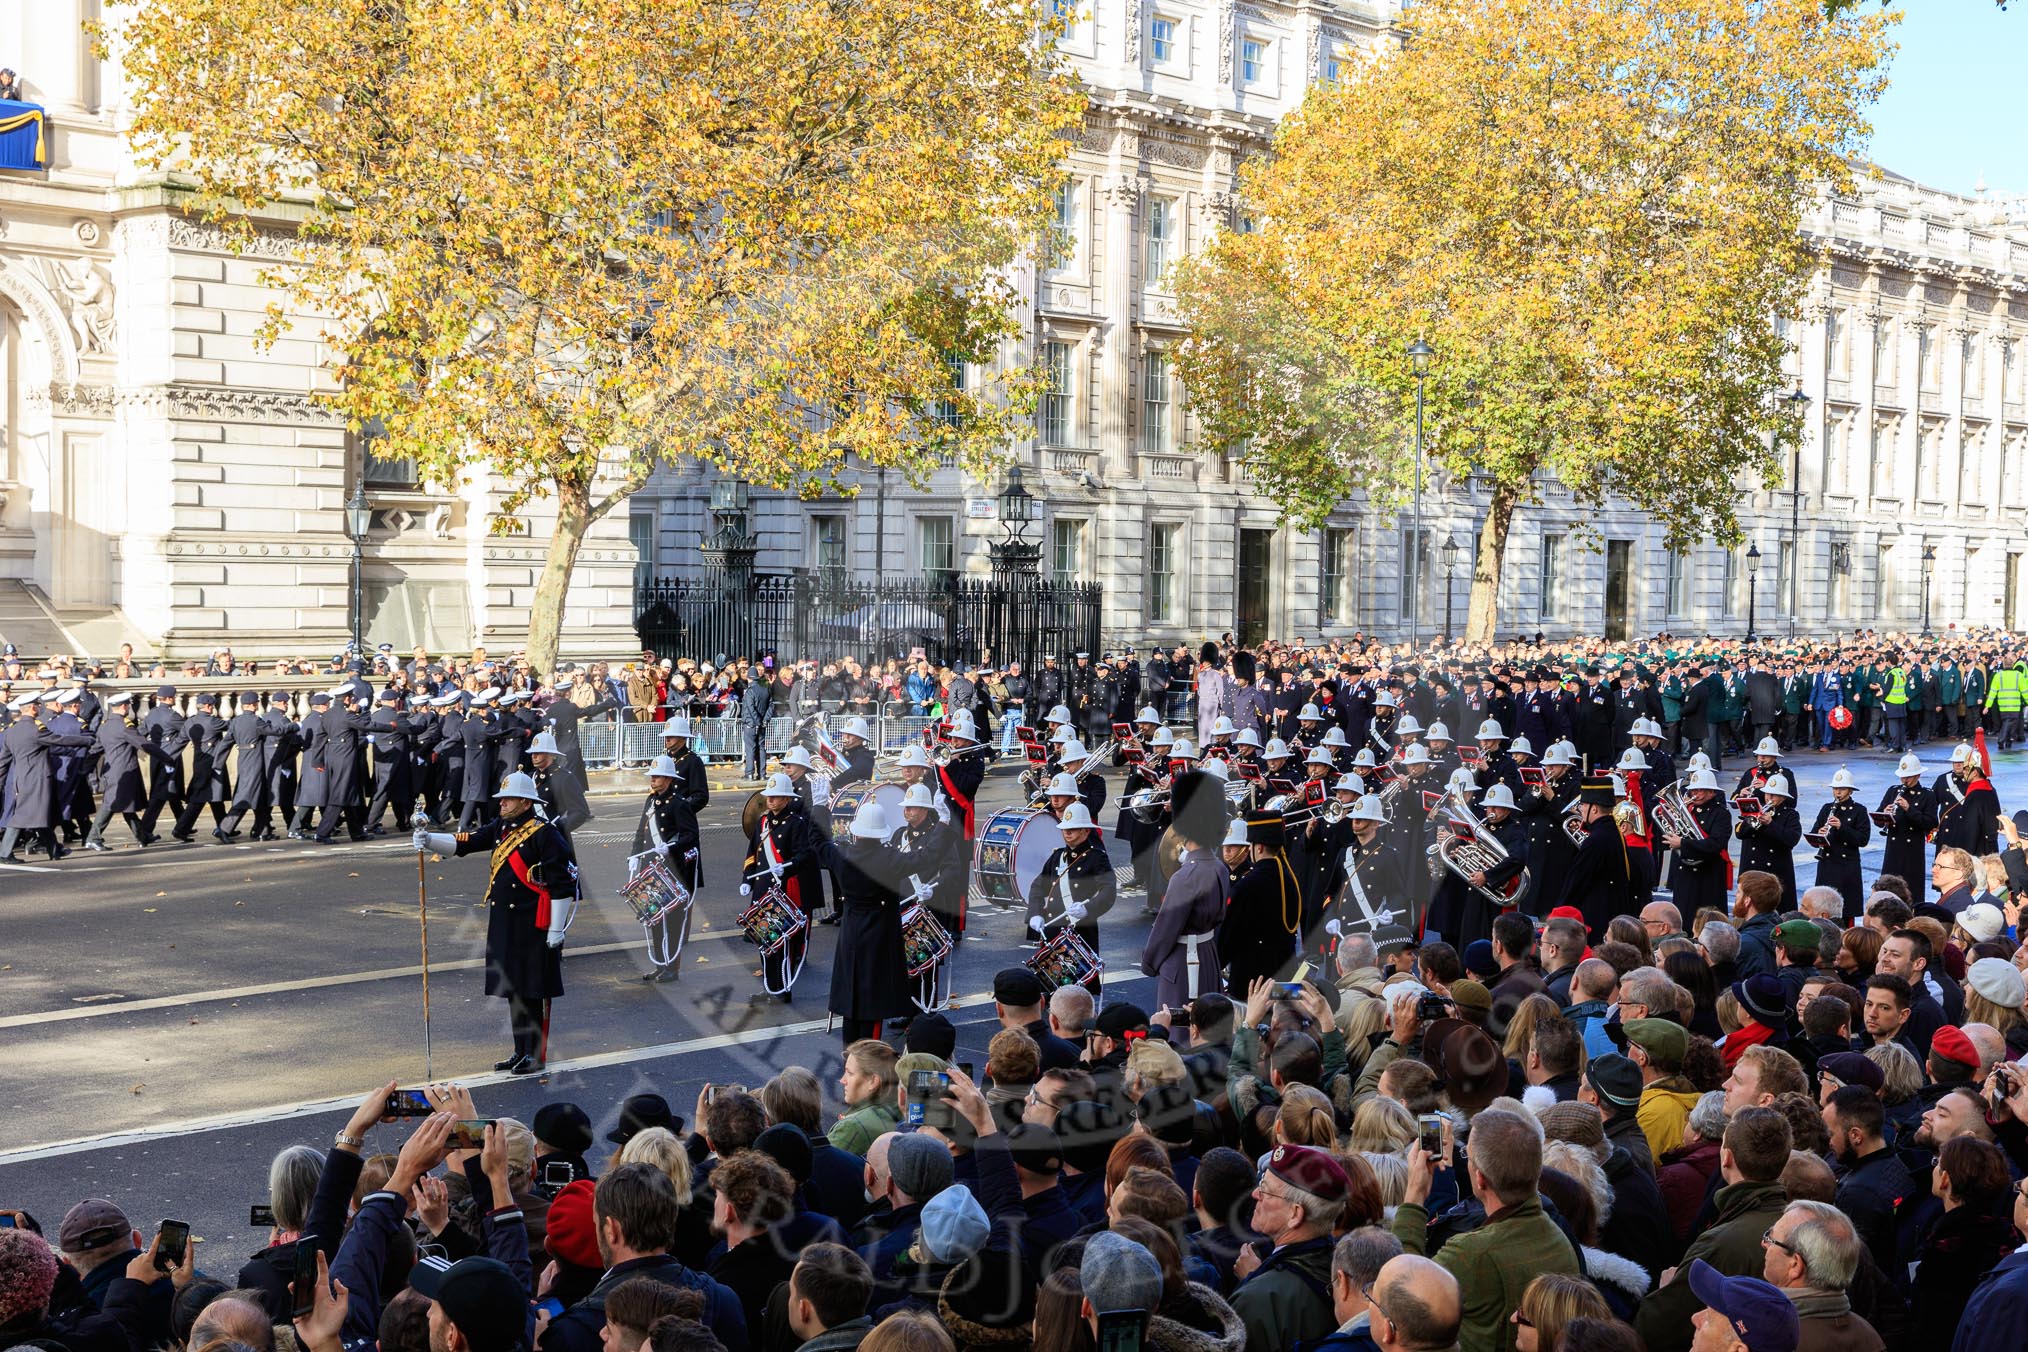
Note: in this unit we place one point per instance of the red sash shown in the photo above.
(964, 803)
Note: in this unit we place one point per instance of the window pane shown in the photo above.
(1252, 60)
(1065, 540)
(829, 532)
(1164, 39)
(1551, 604)
(1161, 239)
(1053, 415)
(939, 558)
(1162, 572)
(1063, 228)
(1155, 402)
(1414, 579)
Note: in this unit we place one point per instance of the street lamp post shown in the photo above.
(1928, 558)
(1752, 589)
(1016, 556)
(1798, 402)
(358, 520)
(1451, 549)
(1419, 354)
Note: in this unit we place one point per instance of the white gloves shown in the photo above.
(438, 842)
(1035, 923)
(745, 890)
(1076, 911)
(421, 840)
(556, 928)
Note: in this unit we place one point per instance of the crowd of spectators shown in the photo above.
(1743, 1131)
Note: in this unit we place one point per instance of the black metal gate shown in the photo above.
(718, 615)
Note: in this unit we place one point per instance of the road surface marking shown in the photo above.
(598, 1061)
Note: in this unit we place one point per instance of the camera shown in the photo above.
(1430, 1008)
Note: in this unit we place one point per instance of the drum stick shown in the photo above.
(422, 908)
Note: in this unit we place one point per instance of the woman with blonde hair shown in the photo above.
(1390, 1171)
(1151, 1063)
(1383, 1126)
(1306, 1118)
(658, 1146)
(908, 1331)
(1521, 1027)
(1548, 1303)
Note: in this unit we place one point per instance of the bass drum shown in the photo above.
(750, 815)
(852, 797)
(1170, 853)
(1012, 850)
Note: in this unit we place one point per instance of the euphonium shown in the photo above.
(1675, 817)
(1464, 846)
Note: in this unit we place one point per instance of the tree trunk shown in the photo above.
(1483, 615)
(574, 517)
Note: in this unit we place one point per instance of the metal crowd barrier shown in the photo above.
(607, 745)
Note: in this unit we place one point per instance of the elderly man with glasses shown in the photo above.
(1812, 1253)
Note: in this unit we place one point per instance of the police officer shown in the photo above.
(531, 897)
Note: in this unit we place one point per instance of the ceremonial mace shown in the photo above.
(422, 906)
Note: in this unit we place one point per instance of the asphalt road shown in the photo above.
(172, 1017)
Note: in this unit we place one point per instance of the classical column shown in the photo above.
(54, 53)
(1121, 194)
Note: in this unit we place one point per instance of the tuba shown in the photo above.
(1465, 846)
(1674, 816)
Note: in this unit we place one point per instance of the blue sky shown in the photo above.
(1956, 107)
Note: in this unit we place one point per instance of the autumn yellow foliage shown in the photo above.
(567, 240)
(1590, 209)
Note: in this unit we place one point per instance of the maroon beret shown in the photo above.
(1315, 1171)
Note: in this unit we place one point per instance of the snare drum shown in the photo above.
(1012, 849)
(652, 890)
(852, 797)
(1067, 960)
(772, 921)
(924, 941)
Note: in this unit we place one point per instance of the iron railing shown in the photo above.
(718, 616)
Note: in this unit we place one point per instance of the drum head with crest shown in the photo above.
(750, 815)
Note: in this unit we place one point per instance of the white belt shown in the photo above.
(1190, 943)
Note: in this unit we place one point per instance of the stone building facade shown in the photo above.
(1912, 351)
(165, 480)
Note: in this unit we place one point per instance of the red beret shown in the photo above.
(1951, 1044)
(1315, 1171)
(569, 1231)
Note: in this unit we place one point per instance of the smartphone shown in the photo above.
(6, 1220)
(966, 1066)
(551, 1307)
(172, 1241)
(1289, 990)
(927, 1091)
(1432, 1134)
(260, 1213)
(558, 1173)
(1121, 1330)
(408, 1103)
(469, 1133)
(303, 1281)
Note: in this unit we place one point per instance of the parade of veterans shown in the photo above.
(1013, 676)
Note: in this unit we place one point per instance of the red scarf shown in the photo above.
(1736, 1043)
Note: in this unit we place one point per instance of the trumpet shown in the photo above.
(1330, 814)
